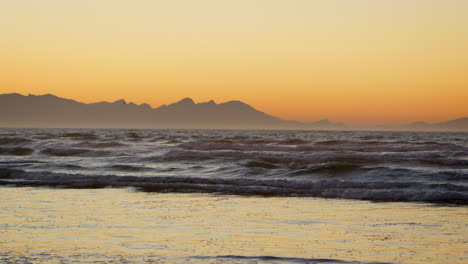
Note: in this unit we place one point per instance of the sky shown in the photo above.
(352, 61)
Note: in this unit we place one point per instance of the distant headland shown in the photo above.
(42, 111)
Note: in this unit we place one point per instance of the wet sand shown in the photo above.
(40, 225)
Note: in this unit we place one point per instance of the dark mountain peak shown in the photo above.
(460, 123)
(237, 104)
(121, 101)
(12, 94)
(45, 96)
(17, 110)
(48, 99)
(209, 103)
(186, 101)
(182, 103)
(463, 119)
(145, 106)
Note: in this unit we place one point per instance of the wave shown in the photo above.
(373, 166)
(135, 136)
(80, 136)
(332, 142)
(260, 164)
(292, 141)
(333, 168)
(128, 168)
(372, 190)
(80, 152)
(321, 146)
(274, 259)
(18, 151)
(112, 144)
(233, 146)
(72, 167)
(14, 140)
(63, 152)
(302, 160)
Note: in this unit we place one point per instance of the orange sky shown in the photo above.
(361, 61)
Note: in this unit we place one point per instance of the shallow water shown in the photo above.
(375, 166)
(198, 196)
(40, 225)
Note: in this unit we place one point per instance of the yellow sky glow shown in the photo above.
(361, 61)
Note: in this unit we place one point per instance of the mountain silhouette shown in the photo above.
(48, 110)
(460, 124)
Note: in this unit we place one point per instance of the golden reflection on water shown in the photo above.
(116, 225)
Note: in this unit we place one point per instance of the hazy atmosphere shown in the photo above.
(234, 131)
(358, 62)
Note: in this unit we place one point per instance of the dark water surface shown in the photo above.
(195, 196)
(375, 166)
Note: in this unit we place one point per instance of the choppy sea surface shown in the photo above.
(213, 196)
(375, 166)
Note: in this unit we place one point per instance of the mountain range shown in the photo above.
(48, 110)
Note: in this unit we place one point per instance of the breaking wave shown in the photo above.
(375, 166)
(328, 188)
(275, 259)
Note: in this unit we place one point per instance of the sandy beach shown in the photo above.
(39, 225)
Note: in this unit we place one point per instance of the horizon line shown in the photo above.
(349, 125)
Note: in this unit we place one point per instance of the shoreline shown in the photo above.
(53, 225)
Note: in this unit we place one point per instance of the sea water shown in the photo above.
(232, 196)
(375, 166)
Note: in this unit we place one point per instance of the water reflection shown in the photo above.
(116, 225)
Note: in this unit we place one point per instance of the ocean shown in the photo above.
(232, 196)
